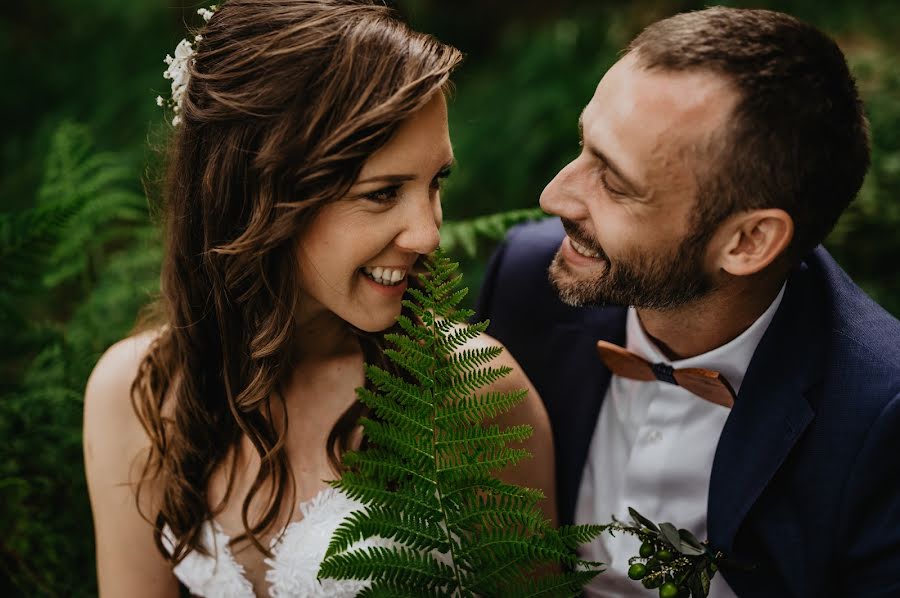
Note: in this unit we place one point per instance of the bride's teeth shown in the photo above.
(385, 276)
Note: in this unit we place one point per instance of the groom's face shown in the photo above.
(629, 200)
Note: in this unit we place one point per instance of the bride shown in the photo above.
(303, 191)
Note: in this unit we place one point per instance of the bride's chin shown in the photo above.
(376, 325)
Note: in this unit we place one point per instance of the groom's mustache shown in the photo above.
(576, 233)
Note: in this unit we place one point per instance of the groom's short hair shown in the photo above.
(798, 139)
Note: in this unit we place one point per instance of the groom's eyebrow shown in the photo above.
(633, 188)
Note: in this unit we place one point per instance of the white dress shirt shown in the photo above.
(653, 450)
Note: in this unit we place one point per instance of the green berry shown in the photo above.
(668, 590)
(637, 571)
(652, 582)
(665, 556)
(646, 550)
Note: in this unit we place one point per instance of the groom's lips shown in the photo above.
(573, 257)
(572, 232)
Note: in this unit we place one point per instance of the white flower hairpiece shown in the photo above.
(179, 71)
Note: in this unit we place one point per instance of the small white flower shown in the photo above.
(179, 68)
(183, 50)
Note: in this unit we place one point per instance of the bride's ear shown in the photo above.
(750, 241)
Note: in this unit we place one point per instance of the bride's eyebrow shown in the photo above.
(387, 178)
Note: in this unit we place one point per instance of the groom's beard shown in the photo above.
(648, 281)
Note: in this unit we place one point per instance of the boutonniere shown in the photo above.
(670, 559)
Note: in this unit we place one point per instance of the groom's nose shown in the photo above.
(561, 196)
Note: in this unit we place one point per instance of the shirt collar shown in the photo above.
(731, 359)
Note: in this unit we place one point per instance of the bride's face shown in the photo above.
(356, 255)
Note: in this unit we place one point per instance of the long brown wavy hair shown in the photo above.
(286, 101)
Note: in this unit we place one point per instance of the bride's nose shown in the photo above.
(421, 224)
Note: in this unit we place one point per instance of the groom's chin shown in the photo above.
(573, 289)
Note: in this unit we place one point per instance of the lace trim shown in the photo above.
(217, 574)
(297, 553)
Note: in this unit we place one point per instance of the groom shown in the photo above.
(717, 155)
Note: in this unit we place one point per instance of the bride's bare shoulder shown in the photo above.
(108, 389)
(109, 418)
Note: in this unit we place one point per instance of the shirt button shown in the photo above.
(654, 435)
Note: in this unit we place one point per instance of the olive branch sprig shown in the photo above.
(670, 559)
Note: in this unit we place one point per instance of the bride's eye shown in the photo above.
(438, 181)
(383, 195)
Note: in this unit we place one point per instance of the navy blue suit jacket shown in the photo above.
(806, 478)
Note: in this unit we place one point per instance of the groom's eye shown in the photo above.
(609, 189)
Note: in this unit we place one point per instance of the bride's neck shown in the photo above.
(323, 336)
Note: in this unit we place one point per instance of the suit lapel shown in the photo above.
(584, 380)
(771, 411)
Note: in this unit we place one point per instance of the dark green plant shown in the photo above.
(77, 266)
(466, 237)
(426, 474)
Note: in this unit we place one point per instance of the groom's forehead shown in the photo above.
(657, 107)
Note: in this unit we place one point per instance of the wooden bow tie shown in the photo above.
(706, 384)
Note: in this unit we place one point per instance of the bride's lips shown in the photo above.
(396, 290)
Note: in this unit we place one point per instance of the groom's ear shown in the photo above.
(750, 241)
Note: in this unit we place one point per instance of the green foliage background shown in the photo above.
(79, 251)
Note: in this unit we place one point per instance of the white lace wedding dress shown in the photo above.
(295, 558)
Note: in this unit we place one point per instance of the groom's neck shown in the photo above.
(712, 321)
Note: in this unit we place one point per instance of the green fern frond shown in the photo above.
(383, 465)
(474, 408)
(492, 486)
(414, 331)
(449, 343)
(464, 236)
(397, 415)
(574, 535)
(412, 448)
(570, 583)
(471, 359)
(415, 363)
(396, 389)
(465, 384)
(501, 544)
(411, 567)
(506, 512)
(480, 437)
(384, 589)
(359, 487)
(414, 532)
(426, 479)
(467, 464)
